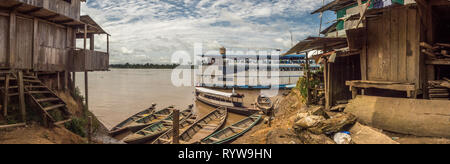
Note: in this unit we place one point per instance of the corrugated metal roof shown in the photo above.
(318, 43)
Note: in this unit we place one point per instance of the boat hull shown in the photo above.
(252, 121)
(232, 109)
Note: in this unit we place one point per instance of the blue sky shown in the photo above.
(152, 30)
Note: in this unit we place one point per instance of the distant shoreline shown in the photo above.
(149, 66)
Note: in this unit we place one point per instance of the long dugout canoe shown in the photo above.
(429, 118)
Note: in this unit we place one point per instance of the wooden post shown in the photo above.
(308, 88)
(66, 80)
(73, 82)
(90, 130)
(176, 127)
(86, 91)
(92, 42)
(85, 37)
(325, 77)
(354, 92)
(58, 78)
(6, 96)
(107, 43)
(21, 95)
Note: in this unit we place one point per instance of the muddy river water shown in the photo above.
(117, 94)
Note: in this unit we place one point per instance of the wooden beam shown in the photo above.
(14, 7)
(32, 10)
(22, 96)
(50, 17)
(12, 126)
(363, 13)
(381, 85)
(438, 62)
(63, 21)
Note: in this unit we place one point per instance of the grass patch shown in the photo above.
(77, 126)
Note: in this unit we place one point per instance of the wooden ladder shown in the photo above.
(47, 101)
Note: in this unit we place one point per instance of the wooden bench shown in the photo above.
(409, 88)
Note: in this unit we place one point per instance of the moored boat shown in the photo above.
(156, 129)
(131, 119)
(167, 137)
(148, 119)
(232, 101)
(232, 132)
(264, 103)
(200, 129)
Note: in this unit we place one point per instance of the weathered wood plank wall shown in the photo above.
(4, 21)
(392, 49)
(59, 6)
(24, 43)
(53, 53)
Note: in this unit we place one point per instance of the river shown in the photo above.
(117, 94)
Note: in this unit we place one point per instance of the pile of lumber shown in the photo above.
(439, 89)
(436, 51)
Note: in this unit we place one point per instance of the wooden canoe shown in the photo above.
(131, 119)
(156, 129)
(201, 129)
(232, 132)
(147, 120)
(264, 103)
(167, 137)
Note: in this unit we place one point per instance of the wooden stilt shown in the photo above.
(6, 96)
(308, 88)
(354, 92)
(90, 130)
(86, 89)
(66, 80)
(73, 82)
(21, 95)
(58, 79)
(176, 127)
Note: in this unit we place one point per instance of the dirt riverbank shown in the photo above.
(35, 133)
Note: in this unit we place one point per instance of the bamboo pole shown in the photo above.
(176, 127)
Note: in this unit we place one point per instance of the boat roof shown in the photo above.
(210, 91)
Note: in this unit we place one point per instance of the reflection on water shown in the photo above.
(120, 93)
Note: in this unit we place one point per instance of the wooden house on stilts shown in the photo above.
(388, 48)
(38, 56)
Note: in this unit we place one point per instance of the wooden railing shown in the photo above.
(88, 60)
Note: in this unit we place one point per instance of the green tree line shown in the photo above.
(146, 66)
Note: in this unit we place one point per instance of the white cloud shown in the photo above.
(157, 28)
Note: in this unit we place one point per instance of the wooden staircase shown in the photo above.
(54, 109)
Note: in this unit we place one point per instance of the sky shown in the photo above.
(150, 31)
